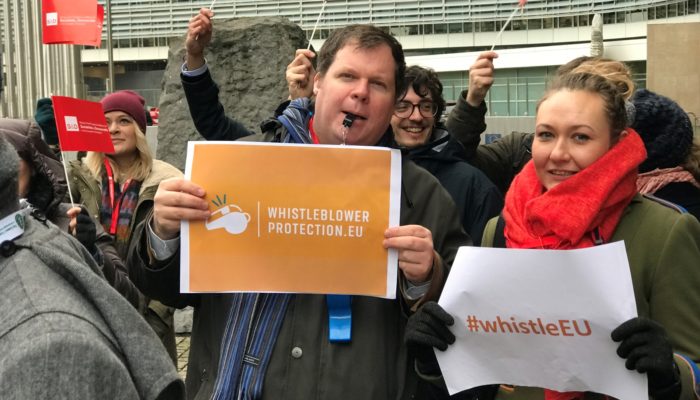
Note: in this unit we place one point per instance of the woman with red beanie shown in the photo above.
(579, 190)
(118, 189)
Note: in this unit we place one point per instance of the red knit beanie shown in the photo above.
(129, 102)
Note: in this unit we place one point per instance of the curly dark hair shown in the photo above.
(424, 82)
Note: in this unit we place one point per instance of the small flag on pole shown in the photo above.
(71, 22)
(521, 7)
(81, 125)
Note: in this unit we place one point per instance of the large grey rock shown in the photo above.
(247, 58)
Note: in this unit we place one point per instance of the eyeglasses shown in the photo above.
(404, 109)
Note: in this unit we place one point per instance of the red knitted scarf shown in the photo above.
(566, 216)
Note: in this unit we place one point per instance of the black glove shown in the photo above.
(85, 230)
(425, 329)
(44, 117)
(646, 348)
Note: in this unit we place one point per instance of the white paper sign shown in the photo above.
(540, 318)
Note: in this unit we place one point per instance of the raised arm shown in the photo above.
(201, 91)
(466, 121)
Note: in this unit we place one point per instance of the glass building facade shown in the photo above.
(139, 23)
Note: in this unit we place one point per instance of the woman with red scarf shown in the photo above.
(579, 191)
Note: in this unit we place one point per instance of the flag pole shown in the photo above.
(63, 158)
(505, 26)
(211, 8)
(65, 170)
(110, 57)
(323, 7)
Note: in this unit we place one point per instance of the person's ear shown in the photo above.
(318, 80)
(616, 139)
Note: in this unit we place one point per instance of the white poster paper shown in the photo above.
(540, 318)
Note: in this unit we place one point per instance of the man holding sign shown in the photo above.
(279, 346)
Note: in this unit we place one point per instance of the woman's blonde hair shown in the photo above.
(139, 170)
(618, 73)
(614, 71)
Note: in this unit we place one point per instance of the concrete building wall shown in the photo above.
(673, 64)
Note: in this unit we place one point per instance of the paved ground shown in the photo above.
(183, 350)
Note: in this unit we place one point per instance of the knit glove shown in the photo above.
(645, 346)
(85, 230)
(47, 122)
(425, 329)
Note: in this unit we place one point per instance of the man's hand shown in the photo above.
(300, 74)
(199, 33)
(176, 200)
(480, 78)
(415, 246)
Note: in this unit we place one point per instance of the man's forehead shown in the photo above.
(422, 93)
(353, 46)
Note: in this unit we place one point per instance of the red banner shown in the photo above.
(71, 22)
(97, 38)
(81, 125)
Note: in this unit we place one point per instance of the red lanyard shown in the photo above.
(314, 138)
(117, 206)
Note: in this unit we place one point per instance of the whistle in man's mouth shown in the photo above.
(348, 120)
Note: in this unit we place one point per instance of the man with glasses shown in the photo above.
(417, 128)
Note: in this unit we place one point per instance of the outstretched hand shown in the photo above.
(647, 349)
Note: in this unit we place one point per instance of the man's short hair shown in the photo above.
(366, 37)
(425, 81)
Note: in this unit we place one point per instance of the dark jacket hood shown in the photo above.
(48, 186)
(442, 147)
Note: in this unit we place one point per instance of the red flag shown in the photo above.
(71, 22)
(81, 125)
(97, 38)
(521, 3)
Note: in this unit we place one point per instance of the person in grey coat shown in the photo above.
(64, 332)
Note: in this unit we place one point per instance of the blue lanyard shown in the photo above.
(339, 318)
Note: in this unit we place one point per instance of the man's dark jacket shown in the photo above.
(375, 365)
(477, 199)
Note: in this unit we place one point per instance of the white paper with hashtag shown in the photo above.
(509, 305)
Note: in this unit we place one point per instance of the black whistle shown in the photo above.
(348, 120)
